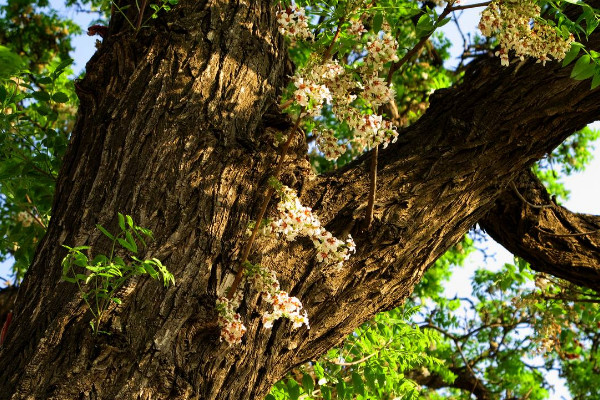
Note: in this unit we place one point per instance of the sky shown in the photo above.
(584, 186)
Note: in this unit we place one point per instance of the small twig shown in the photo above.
(467, 6)
(524, 200)
(35, 217)
(141, 11)
(567, 234)
(346, 364)
(372, 188)
(263, 209)
(335, 37)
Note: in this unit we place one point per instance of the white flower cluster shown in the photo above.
(294, 24)
(511, 23)
(382, 50)
(329, 82)
(311, 95)
(295, 219)
(232, 328)
(25, 219)
(265, 281)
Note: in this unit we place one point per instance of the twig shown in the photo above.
(263, 209)
(335, 37)
(35, 217)
(567, 234)
(372, 188)
(524, 200)
(467, 6)
(346, 364)
(141, 11)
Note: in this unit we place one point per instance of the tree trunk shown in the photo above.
(175, 128)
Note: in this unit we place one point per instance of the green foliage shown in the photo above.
(38, 109)
(371, 364)
(100, 279)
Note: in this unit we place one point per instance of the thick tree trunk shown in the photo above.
(175, 128)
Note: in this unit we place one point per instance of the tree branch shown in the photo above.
(553, 240)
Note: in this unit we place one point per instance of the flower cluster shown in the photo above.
(382, 50)
(294, 219)
(511, 23)
(232, 328)
(25, 218)
(326, 81)
(265, 281)
(294, 24)
(311, 95)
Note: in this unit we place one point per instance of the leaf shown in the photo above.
(341, 389)
(121, 221)
(116, 300)
(583, 68)
(326, 392)
(270, 397)
(571, 55)
(596, 79)
(41, 95)
(150, 270)
(3, 94)
(60, 97)
(293, 389)
(126, 244)
(131, 241)
(377, 22)
(10, 63)
(105, 232)
(424, 25)
(308, 383)
(130, 221)
(357, 381)
(443, 22)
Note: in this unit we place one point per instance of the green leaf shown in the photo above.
(131, 241)
(571, 55)
(293, 389)
(308, 383)
(121, 221)
(357, 381)
(130, 221)
(424, 25)
(377, 22)
(105, 232)
(341, 389)
(583, 69)
(150, 270)
(60, 97)
(326, 392)
(10, 63)
(270, 397)
(126, 244)
(41, 95)
(596, 79)
(443, 22)
(116, 300)
(3, 94)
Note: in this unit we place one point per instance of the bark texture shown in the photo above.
(174, 128)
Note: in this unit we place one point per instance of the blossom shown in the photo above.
(511, 23)
(232, 328)
(294, 24)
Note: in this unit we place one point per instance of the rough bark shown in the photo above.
(552, 239)
(174, 128)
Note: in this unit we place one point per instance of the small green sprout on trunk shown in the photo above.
(100, 279)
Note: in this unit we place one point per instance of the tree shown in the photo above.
(175, 127)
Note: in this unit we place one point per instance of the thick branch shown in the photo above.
(464, 381)
(552, 239)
